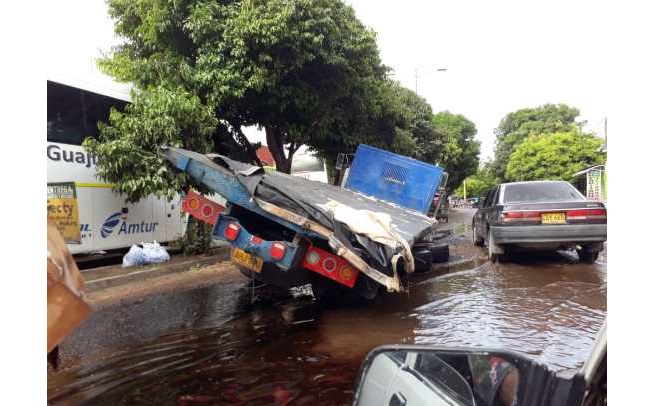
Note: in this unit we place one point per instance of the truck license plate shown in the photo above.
(247, 260)
(553, 218)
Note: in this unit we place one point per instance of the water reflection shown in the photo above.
(217, 345)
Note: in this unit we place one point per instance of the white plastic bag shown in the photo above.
(134, 257)
(151, 253)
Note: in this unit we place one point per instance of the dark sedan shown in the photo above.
(549, 215)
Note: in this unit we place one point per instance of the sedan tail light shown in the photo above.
(520, 216)
(587, 214)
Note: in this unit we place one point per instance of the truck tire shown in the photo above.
(440, 253)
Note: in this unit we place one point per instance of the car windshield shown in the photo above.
(537, 192)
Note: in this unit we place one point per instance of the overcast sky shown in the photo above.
(499, 56)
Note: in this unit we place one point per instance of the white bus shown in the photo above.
(73, 109)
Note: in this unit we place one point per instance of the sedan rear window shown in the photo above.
(540, 192)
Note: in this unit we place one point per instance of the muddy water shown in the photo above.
(284, 350)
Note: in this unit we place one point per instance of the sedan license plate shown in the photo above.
(247, 260)
(553, 218)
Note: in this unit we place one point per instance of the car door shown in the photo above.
(493, 209)
(482, 214)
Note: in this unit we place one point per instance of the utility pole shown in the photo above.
(464, 190)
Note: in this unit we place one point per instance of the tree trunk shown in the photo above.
(275, 143)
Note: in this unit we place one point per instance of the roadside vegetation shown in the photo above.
(540, 143)
(307, 72)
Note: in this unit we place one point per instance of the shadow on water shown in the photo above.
(224, 345)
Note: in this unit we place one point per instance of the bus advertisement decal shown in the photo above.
(62, 208)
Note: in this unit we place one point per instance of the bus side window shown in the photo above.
(72, 114)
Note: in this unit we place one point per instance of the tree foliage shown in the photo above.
(554, 156)
(515, 127)
(443, 139)
(307, 71)
(478, 184)
(460, 150)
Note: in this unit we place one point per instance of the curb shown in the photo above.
(109, 276)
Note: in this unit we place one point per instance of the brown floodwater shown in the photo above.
(221, 346)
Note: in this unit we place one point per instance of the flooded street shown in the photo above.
(234, 345)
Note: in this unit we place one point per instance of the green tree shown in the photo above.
(554, 156)
(515, 127)
(460, 150)
(307, 71)
(444, 139)
(478, 184)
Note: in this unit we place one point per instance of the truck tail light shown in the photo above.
(312, 257)
(207, 210)
(202, 208)
(346, 272)
(232, 231)
(277, 251)
(192, 203)
(330, 266)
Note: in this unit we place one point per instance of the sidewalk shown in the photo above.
(110, 285)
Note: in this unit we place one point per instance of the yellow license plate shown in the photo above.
(553, 218)
(247, 260)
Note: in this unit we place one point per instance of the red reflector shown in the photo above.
(256, 240)
(232, 231)
(278, 250)
(329, 264)
(207, 210)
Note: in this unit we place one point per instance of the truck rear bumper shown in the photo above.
(563, 233)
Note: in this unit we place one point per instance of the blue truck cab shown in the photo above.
(404, 181)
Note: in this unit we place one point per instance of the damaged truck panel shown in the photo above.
(361, 241)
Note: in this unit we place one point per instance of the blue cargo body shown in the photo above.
(394, 178)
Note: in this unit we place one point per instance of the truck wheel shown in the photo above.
(477, 240)
(324, 290)
(587, 256)
(440, 253)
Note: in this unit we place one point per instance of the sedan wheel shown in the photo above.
(493, 256)
(477, 240)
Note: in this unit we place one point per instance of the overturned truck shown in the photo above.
(289, 231)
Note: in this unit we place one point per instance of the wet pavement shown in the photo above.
(230, 344)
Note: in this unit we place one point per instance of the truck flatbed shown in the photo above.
(303, 207)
